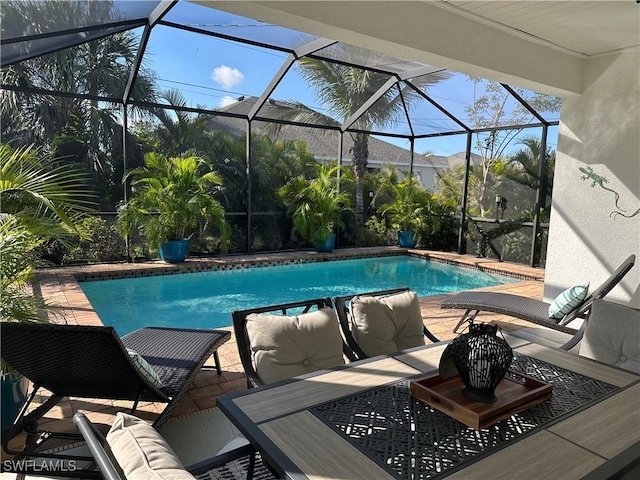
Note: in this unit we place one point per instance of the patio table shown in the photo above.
(360, 422)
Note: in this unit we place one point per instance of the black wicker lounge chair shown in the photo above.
(93, 362)
(535, 311)
(241, 462)
(242, 336)
(344, 315)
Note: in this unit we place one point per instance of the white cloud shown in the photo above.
(226, 100)
(227, 77)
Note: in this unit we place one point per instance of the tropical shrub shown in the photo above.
(410, 207)
(315, 205)
(173, 200)
(376, 233)
(18, 246)
(38, 201)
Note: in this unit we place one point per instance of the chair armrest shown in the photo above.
(222, 459)
(99, 448)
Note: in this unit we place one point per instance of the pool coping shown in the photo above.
(60, 286)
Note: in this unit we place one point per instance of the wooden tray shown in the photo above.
(516, 392)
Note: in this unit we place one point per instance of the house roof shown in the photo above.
(324, 144)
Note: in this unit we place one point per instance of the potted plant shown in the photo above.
(408, 209)
(172, 201)
(315, 206)
(38, 201)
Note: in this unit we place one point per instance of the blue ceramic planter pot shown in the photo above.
(174, 251)
(14, 394)
(407, 239)
(328, 245)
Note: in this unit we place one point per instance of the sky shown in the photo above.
(214, 72)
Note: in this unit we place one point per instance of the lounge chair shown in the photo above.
(381, 342)
(93, 362)
(535, 311)
(134, 449)
(305, 341)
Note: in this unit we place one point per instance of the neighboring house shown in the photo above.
(324, 144)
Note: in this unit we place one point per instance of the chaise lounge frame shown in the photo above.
(531, 310)
(92, 362)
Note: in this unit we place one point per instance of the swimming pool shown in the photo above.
(206, 299)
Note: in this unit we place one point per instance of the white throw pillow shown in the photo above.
(382, 325)
(145, 368)
(142, 453)
(288, 346)
(568, 301)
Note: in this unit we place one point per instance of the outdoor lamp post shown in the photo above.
(501, 206)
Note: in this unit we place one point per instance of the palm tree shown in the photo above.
(410, 203)
(518, 177)
(315, 204)
(173, 199)
(343, 89)
(46, 199)
(274, 163)
(526, 160)
(184, 134)
(37, 202)
(86, 131)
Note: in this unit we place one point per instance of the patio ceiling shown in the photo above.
(32, 29)
(539, 45)
(581, 28)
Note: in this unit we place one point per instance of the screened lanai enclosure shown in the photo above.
(99, 84)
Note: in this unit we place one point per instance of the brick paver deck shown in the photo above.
(60, 286)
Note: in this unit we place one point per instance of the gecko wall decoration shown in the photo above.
(596, 179)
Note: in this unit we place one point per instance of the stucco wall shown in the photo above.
(601, 130)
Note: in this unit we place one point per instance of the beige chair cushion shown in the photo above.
(142, 453)
(613, 335)
(387, 324)
(288, 346)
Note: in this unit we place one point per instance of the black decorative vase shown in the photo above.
(482, 360)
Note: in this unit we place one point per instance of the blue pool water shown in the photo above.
(206, 299)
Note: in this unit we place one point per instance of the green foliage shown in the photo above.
(173, 200)
(450, 185)
(87, 132)
(36, 203)
(101, 242)
(516, 246)
(18, 244)
(522, 168)
(442, 228)
(47, 200)
(411, 204)
(182, 131)
(344, 89)
(274, 163)
(376, 233)
(493, 106)
(315, 204)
